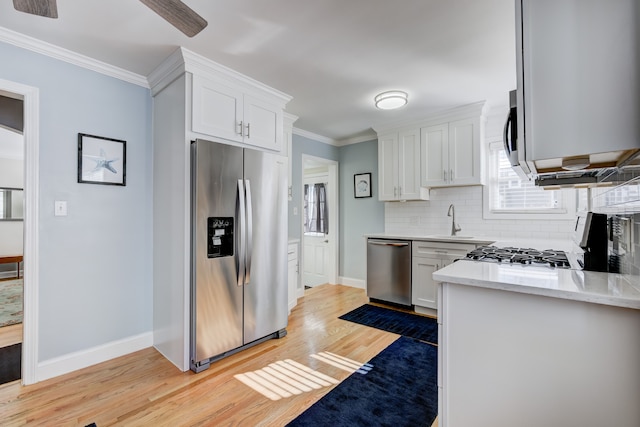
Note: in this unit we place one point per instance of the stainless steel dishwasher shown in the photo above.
(389, 271)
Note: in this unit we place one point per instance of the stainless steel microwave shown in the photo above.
(573, 110)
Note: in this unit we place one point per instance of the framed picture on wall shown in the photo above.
(362, 185)
(101, 160)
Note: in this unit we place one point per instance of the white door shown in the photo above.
(317, 229)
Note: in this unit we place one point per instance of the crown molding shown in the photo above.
(334, 142)
(357, 139)
(56, 52)
(315, 136)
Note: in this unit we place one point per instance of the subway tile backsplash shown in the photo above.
(430, 217)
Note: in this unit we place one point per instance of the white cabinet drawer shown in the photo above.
(430, 249)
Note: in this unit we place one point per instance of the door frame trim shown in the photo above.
(31, 142)
(335, 169)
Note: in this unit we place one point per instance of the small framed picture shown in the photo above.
(362, 185)
(101, 160)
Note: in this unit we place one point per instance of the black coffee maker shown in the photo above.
(591, 235)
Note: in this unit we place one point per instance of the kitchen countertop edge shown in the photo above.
(464, 273)
(481, 240)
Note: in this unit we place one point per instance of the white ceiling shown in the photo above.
(332, 56)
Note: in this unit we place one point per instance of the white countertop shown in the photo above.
(601, 288)
(483, 240)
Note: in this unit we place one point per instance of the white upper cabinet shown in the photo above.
(435, 155)
(399, 166)
(226, 112)
(439, 151)
(452, 153)
(217, 109)
(262, 124)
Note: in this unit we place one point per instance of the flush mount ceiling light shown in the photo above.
(391, 100)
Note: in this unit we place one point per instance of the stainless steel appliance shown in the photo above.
(591, 235)
(238, 249)
(510, 136)
(389, 271)
(589, 253)
(575, 111)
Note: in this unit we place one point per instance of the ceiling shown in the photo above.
(332, 56)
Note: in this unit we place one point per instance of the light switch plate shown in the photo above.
(60, 208)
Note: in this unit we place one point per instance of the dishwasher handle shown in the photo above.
(383, 243)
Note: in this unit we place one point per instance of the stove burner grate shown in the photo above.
(527, 256)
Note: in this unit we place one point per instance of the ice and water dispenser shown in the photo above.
(220, 237)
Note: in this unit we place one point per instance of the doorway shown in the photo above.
(320, 221)
(11, 235)
(29, 272)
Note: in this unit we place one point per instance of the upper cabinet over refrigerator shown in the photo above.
(578, 95)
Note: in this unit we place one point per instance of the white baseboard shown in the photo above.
(354, 283)
(82, 359)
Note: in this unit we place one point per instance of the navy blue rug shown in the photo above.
(406, 324)
(10, 363)
(400, 390)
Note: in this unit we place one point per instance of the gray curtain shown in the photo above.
(316, 211)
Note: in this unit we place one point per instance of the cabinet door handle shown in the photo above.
(444, 175)
(395, 191)
(248, 130)
(440, 251)
(400, 191)
(451, 175)
(240, 126)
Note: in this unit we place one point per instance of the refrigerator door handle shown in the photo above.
(241, 216)
(249, 225)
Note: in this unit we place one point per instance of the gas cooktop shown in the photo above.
(526, 256)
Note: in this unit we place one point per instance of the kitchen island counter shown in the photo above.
(579, 285)
(553, 346)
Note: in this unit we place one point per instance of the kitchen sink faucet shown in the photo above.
(452, 213)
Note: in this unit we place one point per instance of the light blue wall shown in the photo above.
(95, 264)
(358, 216)
(300, 146)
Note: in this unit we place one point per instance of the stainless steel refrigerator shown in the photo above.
(238, 249)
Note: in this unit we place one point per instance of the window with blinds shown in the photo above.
(509, 194)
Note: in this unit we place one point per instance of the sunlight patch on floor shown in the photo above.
(285, 378)
(343, 362)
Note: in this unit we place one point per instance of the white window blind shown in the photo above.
(509, 194)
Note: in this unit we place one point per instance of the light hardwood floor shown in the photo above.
(144, 389)
(10, 335)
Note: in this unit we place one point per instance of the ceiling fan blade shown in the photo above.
(178, 14)
(46, 8)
